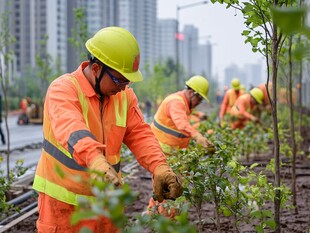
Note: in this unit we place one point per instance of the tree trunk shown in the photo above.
(276, 153)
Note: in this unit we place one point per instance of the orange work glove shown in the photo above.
(166, 183)
(100, 164)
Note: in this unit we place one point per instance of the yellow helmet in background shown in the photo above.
(200, 85)
(242, 87)
(257, 94)
(235, 84)
(118, 49)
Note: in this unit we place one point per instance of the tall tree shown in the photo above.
(6, 60)
(79, 34)
(265, 37)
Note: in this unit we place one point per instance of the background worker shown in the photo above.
(230, 97)
(171, 124)
(88, 114)
(244, 106)
(25, 106)
(265, 106)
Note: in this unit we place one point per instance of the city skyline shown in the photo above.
(223, 31)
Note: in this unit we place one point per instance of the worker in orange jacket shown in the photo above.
(230, 97)
(265, 106)
(172, 127)
(244, 106)
(262, 86)
(88, 114)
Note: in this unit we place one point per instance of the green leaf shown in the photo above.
(290, 19)
(78, 216)
(259, 229)
(271, 224)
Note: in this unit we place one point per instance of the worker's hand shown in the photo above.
(203, 118)
(223, 124)
(100, 164)
(167, 185)
(256, 120)
(202, 140)
(211, 149)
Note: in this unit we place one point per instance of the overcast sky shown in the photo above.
(222, 26)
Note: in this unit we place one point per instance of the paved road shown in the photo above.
(21, 136)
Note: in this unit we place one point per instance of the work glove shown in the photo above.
(223, 123)
(100, 164)
(206, 143)
(166, 183)
(256, 120)
(202, 140)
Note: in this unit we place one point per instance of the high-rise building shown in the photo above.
(166, 46)
(30, 23)
(139, 17)
(189, 49)
(203, 65)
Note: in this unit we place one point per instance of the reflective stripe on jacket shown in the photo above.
(76, 131)
(166, 130)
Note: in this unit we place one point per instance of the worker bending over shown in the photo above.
(230, 97)
(244, 106)
(171, 124)
(88, 114)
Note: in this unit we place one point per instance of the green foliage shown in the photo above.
(44, 69)
(155, 87)
(110, 201)
(79, 34)
(290, 19)
(5, 183)
(159, 223)
(237, 191)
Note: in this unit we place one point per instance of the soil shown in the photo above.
(291, 222)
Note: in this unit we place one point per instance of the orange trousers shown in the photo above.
(54, 217)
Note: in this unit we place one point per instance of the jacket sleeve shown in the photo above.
(64, 110)
(140, 139)
(176, 110)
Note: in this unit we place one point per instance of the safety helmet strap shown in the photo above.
(98, 79)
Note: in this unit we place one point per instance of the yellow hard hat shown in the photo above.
(118, 49)
(200, 85)
(235, 84)
(257, 94)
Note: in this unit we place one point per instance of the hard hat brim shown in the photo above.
(133, 77)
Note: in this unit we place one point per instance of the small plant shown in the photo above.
(5, 184)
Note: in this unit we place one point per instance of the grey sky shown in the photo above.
(222, 26)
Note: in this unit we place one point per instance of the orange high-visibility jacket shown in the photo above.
(230, 98)
(77, 129)
(243, 107)
(171, 122)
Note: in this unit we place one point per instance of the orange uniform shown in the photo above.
(77, 129)
(173, 130)
(171, 124)
(242, 111)
(263, 88)
(230, 98)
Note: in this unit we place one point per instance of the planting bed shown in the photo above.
(290, 221)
